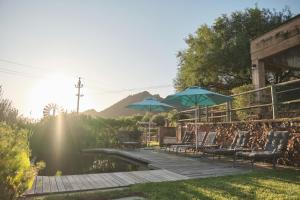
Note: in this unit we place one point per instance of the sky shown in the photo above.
(118, 47)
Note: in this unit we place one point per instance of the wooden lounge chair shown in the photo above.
(274, 148)
(239, 143)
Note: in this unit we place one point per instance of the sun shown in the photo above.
(56, 88)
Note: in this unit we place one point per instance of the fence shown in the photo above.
(271, 102)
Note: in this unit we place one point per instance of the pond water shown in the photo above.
(87, 163)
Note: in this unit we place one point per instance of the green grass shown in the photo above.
(267, 184)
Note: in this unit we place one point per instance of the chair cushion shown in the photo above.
(257, 154)
(224, 151)
(240, 140)
(210, 138)
(277, 141)
(219, 151)
(201, 136)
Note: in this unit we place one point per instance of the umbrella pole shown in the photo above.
(148, 143)
(196, 128)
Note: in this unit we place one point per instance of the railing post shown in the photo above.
(206, 113)
(228, 113)
(274, 101)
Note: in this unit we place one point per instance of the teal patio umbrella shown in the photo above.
(150, 104)
(194, 97)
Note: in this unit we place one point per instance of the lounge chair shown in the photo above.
(200, 138)
(209, 142)
(186, 140)
(274, 148)
(239, 143)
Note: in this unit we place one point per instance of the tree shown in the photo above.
(219, 56)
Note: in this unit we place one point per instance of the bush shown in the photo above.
(159, 119)
(147, 117)
(175, 116)
(59, 140)
(16, 172)
(7, 112)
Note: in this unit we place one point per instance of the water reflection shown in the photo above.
(92, 163)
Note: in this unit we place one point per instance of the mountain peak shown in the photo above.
(119, 109)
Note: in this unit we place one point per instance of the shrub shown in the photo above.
(159, 119)
(16, 172)
(7, 112)
(59, 140)
(147, 117)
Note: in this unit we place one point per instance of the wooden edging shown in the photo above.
(116, 152)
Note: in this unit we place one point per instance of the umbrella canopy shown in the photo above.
(196, 96)
(151, 104)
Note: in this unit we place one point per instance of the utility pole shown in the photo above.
(78, 86)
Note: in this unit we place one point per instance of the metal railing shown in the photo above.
(271, 102)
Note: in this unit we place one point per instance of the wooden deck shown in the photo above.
(167, 167)
(74, 183)
(186, 166)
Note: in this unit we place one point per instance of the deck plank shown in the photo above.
(60, 185)
(66, 183)
(107, 182)
(94, 183)
(53, 185)
(111, 180)
(98, 181)
(121, 179)
(46, 184)
(124, 176)
(74, 182)
(39, 185)
(84, 182)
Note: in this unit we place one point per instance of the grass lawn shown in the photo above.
(266, 184)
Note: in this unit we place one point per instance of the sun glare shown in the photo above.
(58, 89)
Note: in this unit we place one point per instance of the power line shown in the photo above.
(97, 88)
(41, 69)
(104, 90)
(17, 73)
(20, 64)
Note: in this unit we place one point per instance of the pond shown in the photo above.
(87, 163)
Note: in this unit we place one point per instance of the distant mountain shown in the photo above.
(119, 108)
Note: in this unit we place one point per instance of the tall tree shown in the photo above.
(219, 56)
